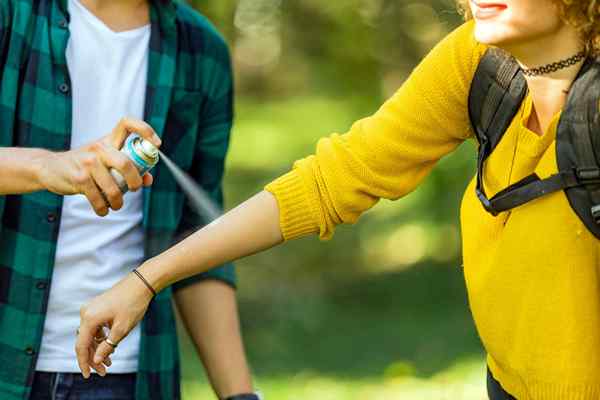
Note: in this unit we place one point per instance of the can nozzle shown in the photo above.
(148, 148)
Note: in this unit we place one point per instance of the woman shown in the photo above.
(532, 273)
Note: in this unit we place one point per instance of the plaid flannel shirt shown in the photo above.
(188, 103)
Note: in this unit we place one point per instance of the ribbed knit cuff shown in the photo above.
(295, 208)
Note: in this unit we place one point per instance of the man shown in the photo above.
(69, 71)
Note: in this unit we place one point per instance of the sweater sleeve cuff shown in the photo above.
(295, 208)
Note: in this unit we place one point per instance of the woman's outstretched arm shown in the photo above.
(385, 156)
(251, 227)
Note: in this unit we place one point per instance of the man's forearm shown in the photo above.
(19, 170)
(209, 312)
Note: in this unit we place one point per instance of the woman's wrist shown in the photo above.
(155, 274)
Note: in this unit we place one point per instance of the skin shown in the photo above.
(208, 309)
(216, 335)
(209, 312)
(80, 171)
(120, 15)
(522, 28)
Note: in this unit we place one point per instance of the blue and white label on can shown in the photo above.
(142, 165)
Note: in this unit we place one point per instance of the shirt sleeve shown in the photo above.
(5, 26)
(211, 150)
(388, 154)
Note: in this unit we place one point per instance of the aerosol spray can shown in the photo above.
(142, 153)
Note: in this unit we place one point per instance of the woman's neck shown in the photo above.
(549, 92)
(120, 15)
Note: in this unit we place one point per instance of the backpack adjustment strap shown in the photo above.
(588, 176)
(591, 177)
(532, 187)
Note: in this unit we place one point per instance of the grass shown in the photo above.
(379, 312)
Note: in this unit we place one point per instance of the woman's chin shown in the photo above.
(490, 35)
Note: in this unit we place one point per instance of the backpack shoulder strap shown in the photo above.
(578, 144)
(497, 92)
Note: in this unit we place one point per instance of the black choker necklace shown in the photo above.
(555, 66)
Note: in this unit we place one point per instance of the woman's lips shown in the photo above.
(484, 10)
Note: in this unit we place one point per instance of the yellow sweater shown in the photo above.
(533, 274)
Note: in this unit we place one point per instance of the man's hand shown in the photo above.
(86, 170)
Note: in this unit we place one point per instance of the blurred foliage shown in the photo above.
(380, 311)
(345, 47)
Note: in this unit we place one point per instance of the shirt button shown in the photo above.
(63, 23)
(63, 88)
(29, 351)
(51, 217)
(41, 285)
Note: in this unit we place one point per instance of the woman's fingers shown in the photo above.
(90, 336)
(108, 346)
(85, 340)
(100, 337)
(88, 341)
(100, 368)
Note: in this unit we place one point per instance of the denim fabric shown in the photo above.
(57, 386)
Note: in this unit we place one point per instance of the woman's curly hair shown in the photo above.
(584, 15)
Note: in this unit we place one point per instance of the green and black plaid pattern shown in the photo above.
(188, 102)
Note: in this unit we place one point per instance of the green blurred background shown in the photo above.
(380, 312)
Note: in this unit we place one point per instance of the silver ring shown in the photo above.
(111, 343)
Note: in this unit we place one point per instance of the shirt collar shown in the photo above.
(162, 12)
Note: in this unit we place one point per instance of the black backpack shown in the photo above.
(497, 92)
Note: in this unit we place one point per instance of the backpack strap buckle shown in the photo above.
(596, 213)
(588, 176)
(591, 176)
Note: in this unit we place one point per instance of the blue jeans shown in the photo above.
(58, 386)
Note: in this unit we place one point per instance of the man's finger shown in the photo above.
(127, 126)
(113, 158)
(148, 179)
(85, 185)
(108, 187)
(91, 191)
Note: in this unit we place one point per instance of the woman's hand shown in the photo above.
(247, 229)
(119, 309)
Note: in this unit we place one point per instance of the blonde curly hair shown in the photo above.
(584, 15)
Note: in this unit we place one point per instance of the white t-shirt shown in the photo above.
(108, 74)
